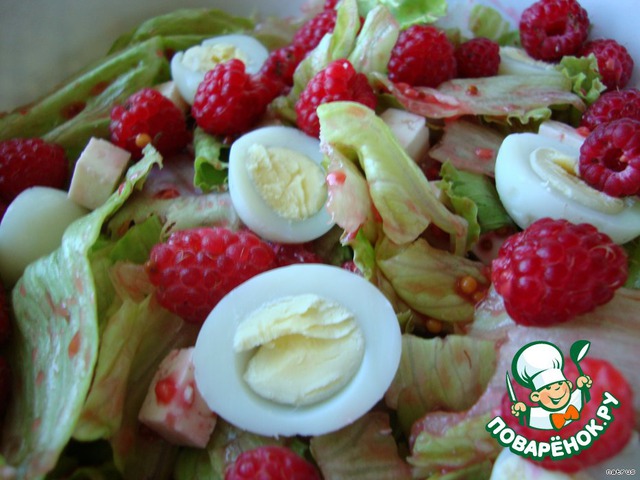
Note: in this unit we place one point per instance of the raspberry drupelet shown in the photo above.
(271, 462)
(551, 29)
(555, 270)
(30, 162)
(309, 35)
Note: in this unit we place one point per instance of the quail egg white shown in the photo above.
(188, 68)
(536, 177)
(330, 305)
(277, 184)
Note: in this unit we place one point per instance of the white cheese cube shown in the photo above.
(410, 130)
(97, 173)
(173, 406)
(170, 90)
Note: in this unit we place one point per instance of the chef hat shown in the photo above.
(537, 365)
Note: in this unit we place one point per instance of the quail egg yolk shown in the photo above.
(203, 58)
(305, 349)
(288, 181)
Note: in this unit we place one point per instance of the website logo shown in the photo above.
(553, 402)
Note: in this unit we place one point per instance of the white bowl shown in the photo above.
(42, 42)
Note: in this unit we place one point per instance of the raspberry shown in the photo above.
(555, 270)
(551, 29)
(282, 63)
(291, 253)
(147, 116)
(478, 57)
(612, 105)
(309, 35)
(615, 65)
(610, 158)
(230, 101)
(422, 56)
(339, 81)
(605, 378)
(30, 162)
(195, 268)
(271, 462)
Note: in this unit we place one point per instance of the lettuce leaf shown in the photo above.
(464, 187)
(486, 21)
(56, 339)
(584, 75)
(633, 252)
(508, 97)
(448, 373)
(403, 198)
(364, 450)
(408, 12)
(210, 170)
(426, 278)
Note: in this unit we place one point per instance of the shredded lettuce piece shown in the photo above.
(426, 278)
(363, 450)
(448, 374)
(469, 146)
(408, 12)
(486, 21)
(403, 198)
(210, 169)
(523, 98)
(464, 450)
(473, 194)
(584, 75)
(56, 339)
(633, 252)
(135, 245)
(375, 41)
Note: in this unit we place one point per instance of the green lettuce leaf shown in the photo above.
(375, 41)
(486, 21)
(509, 98)
(584, 75)
(364, 450)
(55, 343)
(464, 187)
(210, 169)
(448, 374)
(403, 198)
(408, 12)
(633, 252)
(136, 243)
(465, 450)
(427, 278)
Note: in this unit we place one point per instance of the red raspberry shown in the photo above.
(292, 253)
(195, 268)
(30, 162)
(551, 29)
(422, 56)
(230, 101)
(339, 81)
(271, 462)
(282, 63)
(555, 270)
(309, 35)
(478, 57)
(610, 158)
(605, 378)
(612, 105)
(615, 65)
(146, 117)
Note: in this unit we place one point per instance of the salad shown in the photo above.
(287, 241)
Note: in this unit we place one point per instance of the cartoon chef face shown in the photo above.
(538, 366)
